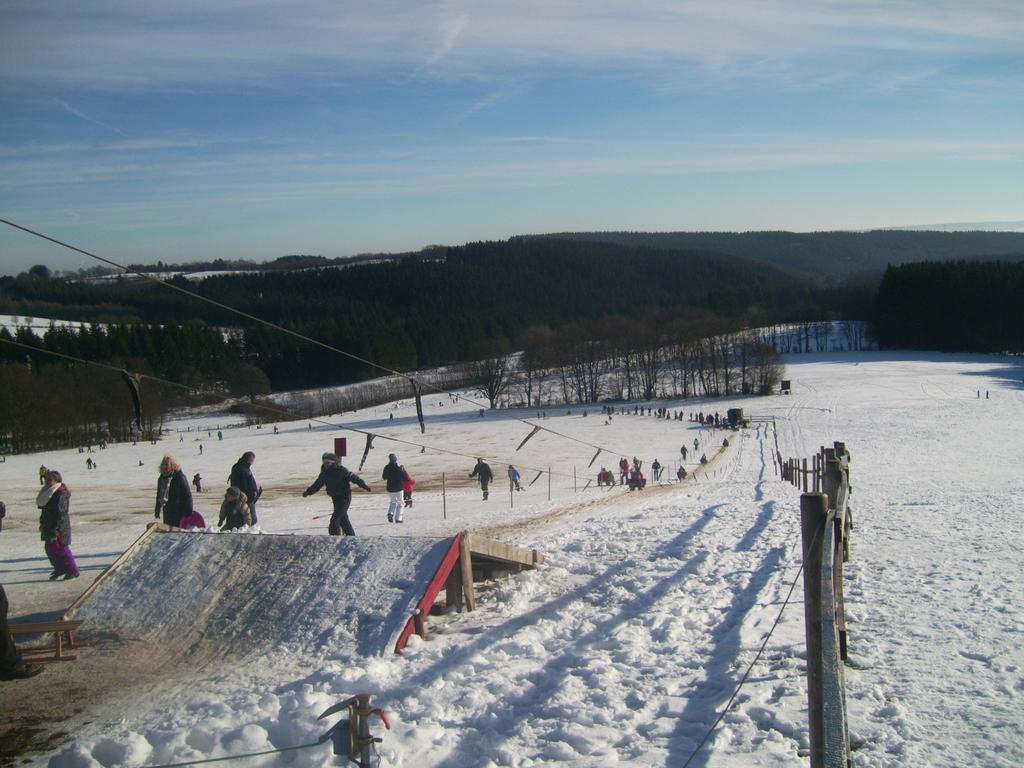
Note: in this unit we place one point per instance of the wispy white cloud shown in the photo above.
(268, 174)
(113, 44)
(79, 114)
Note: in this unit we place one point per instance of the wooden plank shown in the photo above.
(41, 627)
(453, 588)
(426, 602)
(150, 530)
(502, 552)
(466, 561)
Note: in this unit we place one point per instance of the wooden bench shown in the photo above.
(63, 640)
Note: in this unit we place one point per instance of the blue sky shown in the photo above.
(191, 130)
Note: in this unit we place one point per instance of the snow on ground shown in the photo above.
(629, 642)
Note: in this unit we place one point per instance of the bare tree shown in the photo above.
(491, 376)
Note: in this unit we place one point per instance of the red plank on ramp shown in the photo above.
(430, 594)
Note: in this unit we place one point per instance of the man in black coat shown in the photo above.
(242, 479)
(394, 475)
(483, 471)
(337, 479)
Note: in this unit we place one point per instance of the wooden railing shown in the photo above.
(825, 526)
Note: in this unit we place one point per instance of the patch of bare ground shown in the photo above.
(42, 714)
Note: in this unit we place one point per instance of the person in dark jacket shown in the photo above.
(394, 476)
(242, 479)
(173, 494)
(483, 471)
(337, 480)
(234, 510)
(12, 665)
(54, 502)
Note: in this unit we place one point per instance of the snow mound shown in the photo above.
(209, 595)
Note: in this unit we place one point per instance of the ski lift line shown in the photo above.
(275, 410)
(277, 327)
(239, 757)
(212, 302)
(750, 668)
(113, 368)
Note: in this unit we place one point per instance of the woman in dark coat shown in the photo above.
(54, 502)
(173, 494)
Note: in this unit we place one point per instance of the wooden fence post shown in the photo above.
(831, 477)
(466, 566)
(813, 516)
(837, 589)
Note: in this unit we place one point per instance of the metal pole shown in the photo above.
(549, 483)
(574, 488)
(444, 498)
(362, 729)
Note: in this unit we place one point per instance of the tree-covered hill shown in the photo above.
(952, 306)
(445, 305)
(828, 257)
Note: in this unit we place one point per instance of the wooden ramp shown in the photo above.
(231, 594)
(470, 558)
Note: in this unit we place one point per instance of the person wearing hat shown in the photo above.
(234, 510)
(338, 480)
(482, 470)
(395, 476)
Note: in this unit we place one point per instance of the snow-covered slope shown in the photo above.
(627, 645)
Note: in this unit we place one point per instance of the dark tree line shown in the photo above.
(51, 401)
(952, 306)
(830, 258)
(438, 307)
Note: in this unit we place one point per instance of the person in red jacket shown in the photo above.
(407, 485)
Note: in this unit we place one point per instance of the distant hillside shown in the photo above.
(827, 257)
(421, 310)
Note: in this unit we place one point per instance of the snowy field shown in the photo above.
(626, 646)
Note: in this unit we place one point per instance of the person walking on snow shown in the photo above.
(393, 475)
(54, 502)
(241, 478)
(197, 482)
(483, 471)
(338, 480)
(513, 478)
(656, 470)
(407, 485)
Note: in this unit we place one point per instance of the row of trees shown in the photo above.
(690, 354)
(60, 406)
(191, 354)
(50, 401)
(952, 306)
